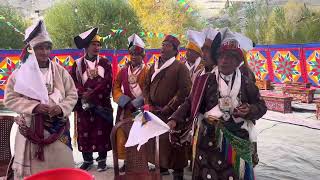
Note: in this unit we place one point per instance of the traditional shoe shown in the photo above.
(177, 177)
(86, 165)
(102, 166)
(164, 171)
(123, 168)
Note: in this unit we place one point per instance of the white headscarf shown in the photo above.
(29, 80)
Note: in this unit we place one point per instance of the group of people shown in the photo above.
(210, 102)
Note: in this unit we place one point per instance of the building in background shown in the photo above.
(32, 9)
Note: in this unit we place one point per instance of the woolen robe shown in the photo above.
(93, 130)
(166, 92)
(120, 96)
(203, 98)
(57, 154)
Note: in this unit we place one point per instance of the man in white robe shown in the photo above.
(43, 94)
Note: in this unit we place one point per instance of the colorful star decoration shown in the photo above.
(286, 67)
(258, 64)
(7, 66)
(313, 67)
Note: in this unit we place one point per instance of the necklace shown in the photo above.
(49, 79)
(133, 76)
(92, 73)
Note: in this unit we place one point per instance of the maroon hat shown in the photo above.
(231, 45)
(175, 41)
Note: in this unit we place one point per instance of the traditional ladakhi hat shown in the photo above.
(213, 41)
(195, 40)
(84, 39)
(136, 45)
(211, 35)
(236, 42)
(173, 40)
(28, 77)
(36, 34)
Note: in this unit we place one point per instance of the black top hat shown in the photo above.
(35, 31)
(83, 40)
(216, 43)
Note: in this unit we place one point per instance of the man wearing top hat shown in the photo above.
(128, 87)
(43, 94)
(168, 83)
(194, 53)
(210, 47)
(93, 78)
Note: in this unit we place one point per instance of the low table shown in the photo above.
(277, 102)
(263, 84)
(317, 102)
(297, 85)
(304, 95)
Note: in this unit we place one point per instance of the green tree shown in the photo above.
(9, 38)
(293, 23)
(166, 17)
(68, 18)
(308, 26)
(257, 15)
(265, 24)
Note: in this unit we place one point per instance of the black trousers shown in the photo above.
(88, 156)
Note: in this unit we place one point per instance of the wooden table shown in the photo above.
(297, 85)
(277, 102)
(305, 95)
(263, 84)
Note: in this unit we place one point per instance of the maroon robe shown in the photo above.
(93, 131)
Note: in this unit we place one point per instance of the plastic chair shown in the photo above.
(136, 161)
(5, 154)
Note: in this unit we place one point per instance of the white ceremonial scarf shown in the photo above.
(91, 65)
(226, 90)
(193, 68)
(165, 65)
(29, 81)
(229, 89)
(135, 88)
(47, 76)
(146, 125)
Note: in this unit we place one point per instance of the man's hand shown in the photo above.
(148, 107)
(41, 109)
(55, 110)
(172, 124)
(242, 111)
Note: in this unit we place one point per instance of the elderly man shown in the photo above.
(93, 78)
(244, 68)
(168, 83)
(128, 88)
(43, 93)
(194, 53)
(226, 104)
